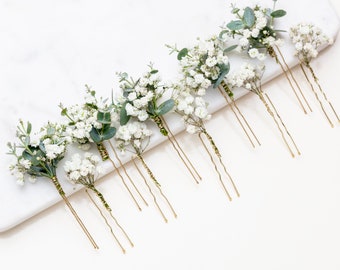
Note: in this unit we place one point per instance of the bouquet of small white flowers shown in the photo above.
(249, 76)
(38, 155)
(206, 64)
(308, 39)
(134, 137)
(193, 110)
(85, 171)
(257, 35)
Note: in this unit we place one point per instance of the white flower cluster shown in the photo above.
(45, 146)
(192, 107)
(307, 39)
(202, 64)
(83, 117)
(138, 95)
(247, 76)
(83, 170)
(260, 34)
(133, 134)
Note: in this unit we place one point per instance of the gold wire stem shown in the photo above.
(126, 186)
(293, 77)
(106, 221)
(269, 110)
(215, 167)
(273, 54)
(283, 124)
(218, 154)
(67, 202)
(226, 93)
(108, 208)
(316, 95)
(321, 90)
(102, 151)
(146, 167)
(150, 190)
(194, 173)
(126, 173)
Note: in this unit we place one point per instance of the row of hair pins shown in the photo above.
(120, 124)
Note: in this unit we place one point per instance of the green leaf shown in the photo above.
(182, 53)
(229, 49)
(108, 133)
(151, 108)
(165, 107)
(249, 17)
(222, 33)
(104, 117)
(96, 137)
(278, 13)
(235, 25)
(224, 71)
(29, 128)
(154, 71)
(124, 118)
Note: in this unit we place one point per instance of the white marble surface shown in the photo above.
(287, 216)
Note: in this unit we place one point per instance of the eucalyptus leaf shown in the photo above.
(182, 53)
(151, 108)
(29, 128)
(220, 78)
(124, 118)
(249, 17)
(229, 49)
(235, 25)
(108, 133)
(104, 117)
(222, 33)
(278, 13)
(95, 136)
(165, 107)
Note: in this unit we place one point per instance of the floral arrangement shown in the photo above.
(122, 125)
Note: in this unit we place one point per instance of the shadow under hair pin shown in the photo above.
(134, 137)
(91, 123)
(249, 76)
(144, 99)
(307, 39)
(257, 35)
(38, 155)
(84, 171)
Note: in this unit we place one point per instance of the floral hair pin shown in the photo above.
(307, 39)
(84, 171)
(92, 123)
(38, 155)
(134, 137)
(206, 64)
(143, 99)
(249, 77)
(259, 38)
(193, 110)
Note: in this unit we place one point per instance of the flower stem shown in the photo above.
(125, 185)
(271, 113)
(158, 120)
(102, 151)
(156, 183)
(215, 166)
(226, 93)
(126, 173)
(316, 95)
(273, 54)
(62, 194)
(191, 168)
(106, 221)
(321, 90)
